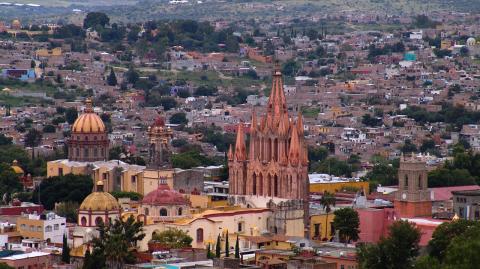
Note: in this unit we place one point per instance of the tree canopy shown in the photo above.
(347, 223)
(397, 251)
(173, 238)
(94, 19)
(73, 188)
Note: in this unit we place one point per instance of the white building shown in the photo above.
(49, 227)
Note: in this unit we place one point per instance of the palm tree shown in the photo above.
(327, 201)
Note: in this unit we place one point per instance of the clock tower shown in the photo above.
(413, 197)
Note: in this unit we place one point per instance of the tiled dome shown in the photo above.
(164, 196)
(88, 122)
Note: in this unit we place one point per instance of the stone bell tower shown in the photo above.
(413, 197)
(159, 137)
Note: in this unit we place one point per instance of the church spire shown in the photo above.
(240, 148)
(300, 124)
(294, 152)
(277, 105)
(253, 125)
(230, 153)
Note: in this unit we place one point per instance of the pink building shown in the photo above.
(32, 260)
(374, 223)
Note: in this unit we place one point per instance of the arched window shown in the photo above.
(146, 211)
(98, 220)
(83, 221)
(420, 182)
(254, 184)
(180, 211)
(406, 181)
(199, 235)
(163, 212)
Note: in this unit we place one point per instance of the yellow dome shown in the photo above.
(100, 201)
(17, 169)
(88, 122)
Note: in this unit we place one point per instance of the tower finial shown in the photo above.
(88, 105)
(277, 70)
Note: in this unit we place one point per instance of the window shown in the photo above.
(48, 228)
(23, 226)
(199, 235)
(240, 227)
(98, 220)
(85, 153)
(83, 221)
(461, 212)
(56, 227)
(316, 229)
(146, 211)
(134, 179)
(163, 212)
(39, 228)
(95, 152)
(77, 152)
(60, 171)
(180, 211)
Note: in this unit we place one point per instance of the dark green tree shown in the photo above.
(444, 234)
(347, 223)
(5, 140)
(179, 118)
(112, 78)
(94, 19)
(463, 250)
(209, 252)
(65, 250)
(9, 182)
(33, 139)
(71, 115)
(132, 75)
(64, 188)
(218, 247)
(173, 238)
(409, 147)
(227, 247)
(237, 249)
(398, 250)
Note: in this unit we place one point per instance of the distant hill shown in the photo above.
(140, 10)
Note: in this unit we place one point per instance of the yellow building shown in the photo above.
(206, 226)
(445, 44)
(333, 187)
(317, 226)
(55, 52)
(50, 227)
